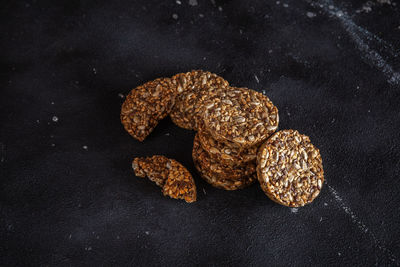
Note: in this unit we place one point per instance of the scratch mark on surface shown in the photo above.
(361, 37)
(2, 153)
(354, 218)
(257, 80)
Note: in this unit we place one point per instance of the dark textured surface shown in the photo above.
(333, 74)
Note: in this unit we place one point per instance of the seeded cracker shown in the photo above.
(290, 169)
(180, 183)
(155, 168)
(195, 79)
(224, 154)
(173, 177)
(222, 176)
(240, 116)
(192, 87)
(146, 105)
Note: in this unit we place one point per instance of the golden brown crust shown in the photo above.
(180, 183)
(214, 168)
(146, 105)
(192, 87)
(241, 116)
(227, 184)
(289, 169)
(175, 180)
(226, 155)
(154, 168)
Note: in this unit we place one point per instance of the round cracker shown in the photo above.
(192, 88)
(240, 116)
(289, 169)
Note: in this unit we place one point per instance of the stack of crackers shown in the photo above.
(236, 141)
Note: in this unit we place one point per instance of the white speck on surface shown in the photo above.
(193, 2)
(94, 71)
(288, 113)
(52, 103)
(220, 8)
(330, 7)
(369, 111)
(85, 147)
(204, 191)
(118, 237)
(311, 14)
(201, 15)
(325, 204)
(339, 13)
(264, 92)
(55, 119)
(70, 236)
(88, 248)
(333, 120)
(53, 145)
(37, 121)
(255, 77)
(147, 232)
(340, 254)
(178, 2)
(270, 51)
(97, 237)
(204, 58)
(121, 95)
(285, 5)
(167, 134)
(294, 210)
(175, 16)
(278, 2)
(240, 31)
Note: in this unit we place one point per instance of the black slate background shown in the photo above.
(64, 205)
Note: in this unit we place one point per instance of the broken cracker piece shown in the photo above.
(175, 180)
